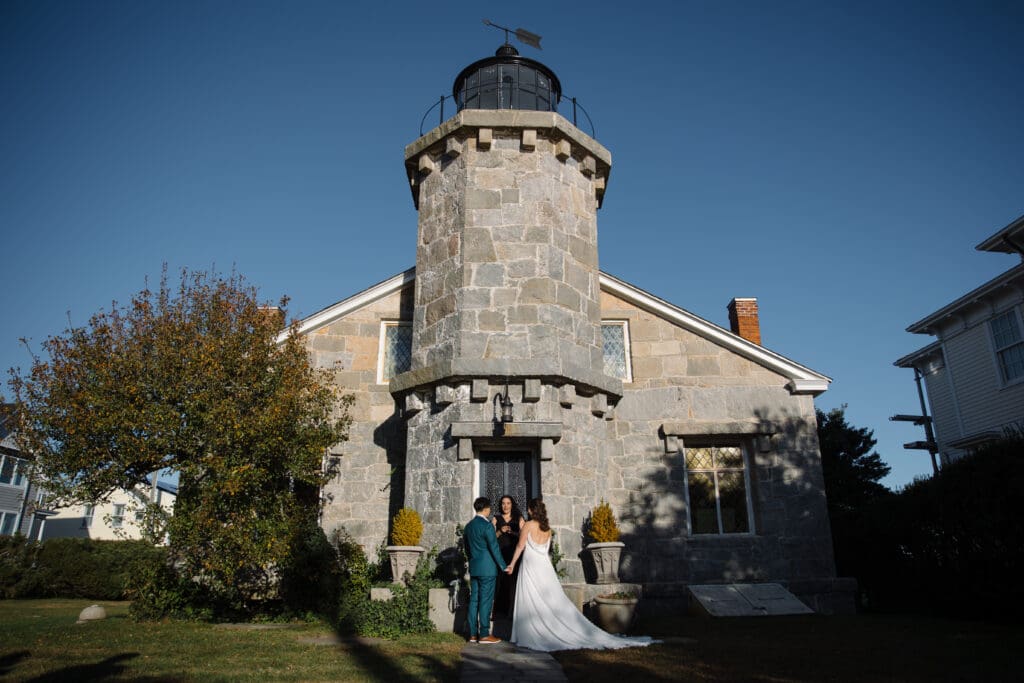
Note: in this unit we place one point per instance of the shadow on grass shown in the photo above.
(8, 661)
(103, 670)
(381, 666)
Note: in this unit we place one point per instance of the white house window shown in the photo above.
(395, 349)
(8, 523)
(12, 470)
(87, 517)
(1009, 345)
(138, 515)
(615, 337)
(117, 519)
(717, 490)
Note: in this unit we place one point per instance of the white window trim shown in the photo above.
(744, 452)
(384, 325)
(1001, 382)
(15, 473)
(625, 345)
(17, 520)
(88, 513)
(117, 520)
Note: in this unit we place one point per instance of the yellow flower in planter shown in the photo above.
(603, 528)
(406, 528)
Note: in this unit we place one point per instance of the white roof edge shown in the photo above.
(924, 325)
(907, 361)
(804, 380)
(367, 296)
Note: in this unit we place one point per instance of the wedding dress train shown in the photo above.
(545, 619)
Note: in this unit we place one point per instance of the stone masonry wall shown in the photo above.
(364, 491)
(697, 387)
(507, 255)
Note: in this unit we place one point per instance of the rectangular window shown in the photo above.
(87, 517)
(615, 339)
(1008, 344)
(12, 471)
(117, 519)
(138, 515)
(8, 522)
(716, 489)
(395, 349)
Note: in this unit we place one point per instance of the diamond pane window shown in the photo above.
(615, 339)
(716, 489)
(1009, 345)
(396, 349)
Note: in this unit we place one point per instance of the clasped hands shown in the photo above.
(508, 569)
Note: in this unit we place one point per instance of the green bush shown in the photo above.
(71, 567)
(952, 544)
(407, 612)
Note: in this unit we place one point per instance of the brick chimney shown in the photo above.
(743, 319)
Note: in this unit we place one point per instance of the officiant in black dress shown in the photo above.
(507, 524)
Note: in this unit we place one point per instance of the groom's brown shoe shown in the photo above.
(489, 640)
(474, 640)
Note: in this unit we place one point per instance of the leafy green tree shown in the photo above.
(852, 470)
(193, 379)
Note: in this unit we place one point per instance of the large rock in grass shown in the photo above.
(92, 613)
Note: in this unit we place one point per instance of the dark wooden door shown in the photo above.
(507, 473)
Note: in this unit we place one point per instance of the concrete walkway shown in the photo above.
(505, 662)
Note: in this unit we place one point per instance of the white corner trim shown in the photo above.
(342, 308)
(803, 379)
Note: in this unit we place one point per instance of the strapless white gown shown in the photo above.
(545, 619)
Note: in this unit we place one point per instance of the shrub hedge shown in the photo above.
(952, 544)
(71, 567)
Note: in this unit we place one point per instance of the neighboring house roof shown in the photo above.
(164, 486)
(913, 359)
(1009, 240)
(803, 380)
(1011, 278)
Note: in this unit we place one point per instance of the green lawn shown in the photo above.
(40, 641)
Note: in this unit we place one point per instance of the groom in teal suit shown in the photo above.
(485, 562)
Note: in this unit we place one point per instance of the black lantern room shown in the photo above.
(507, 81)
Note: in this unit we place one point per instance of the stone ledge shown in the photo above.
(585, 381)
(538, 430)
(686, 428)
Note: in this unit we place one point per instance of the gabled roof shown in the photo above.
(803, 380)
(1014, 277)
(1009, 240)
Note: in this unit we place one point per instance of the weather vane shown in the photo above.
(522, 35)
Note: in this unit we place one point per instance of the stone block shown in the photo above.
(477, 198)
(413, 404)
(599, 404)
(444, 394)
(449, 611)
(453, 147)
(484, 138)
(563, 150)
(547, 449)
(589, 166)
(567, 395)
(479, 390)
(531, 390)
(529, 140)
(381, 594)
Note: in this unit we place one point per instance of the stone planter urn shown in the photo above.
(403, 560)
(606, 558)
(615, 614)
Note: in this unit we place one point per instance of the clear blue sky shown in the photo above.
(837, 160)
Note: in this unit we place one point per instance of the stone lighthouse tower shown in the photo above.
(506, 393)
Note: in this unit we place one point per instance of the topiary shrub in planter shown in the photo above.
(606, 550)
(405, 551)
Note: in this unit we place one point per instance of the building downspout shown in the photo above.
(929, 435)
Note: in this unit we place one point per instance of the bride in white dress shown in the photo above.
(544, 618)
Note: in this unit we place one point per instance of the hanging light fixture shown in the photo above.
(502, 400)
